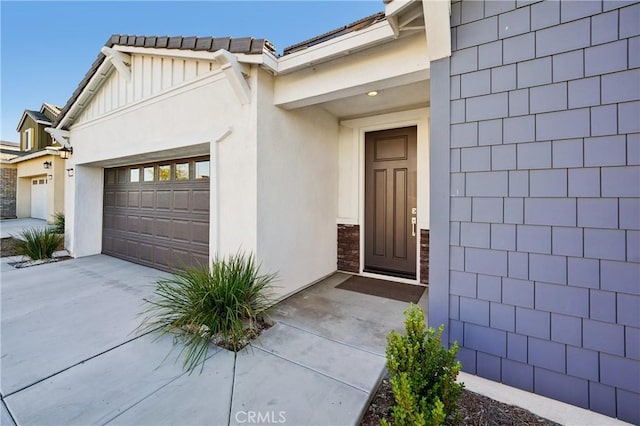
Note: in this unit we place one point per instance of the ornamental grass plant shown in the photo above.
(38, 244)
(58, 222)
(222, 303)
(422, 374)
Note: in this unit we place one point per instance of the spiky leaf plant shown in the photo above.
(58, 222)
(221, 302)
(38, 243)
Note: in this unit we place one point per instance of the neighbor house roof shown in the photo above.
(36, 116)
(246, 45)
(354, 26)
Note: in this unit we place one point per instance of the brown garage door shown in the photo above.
(158, 214)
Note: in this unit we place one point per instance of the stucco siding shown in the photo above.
(297, 193)
(543, 183)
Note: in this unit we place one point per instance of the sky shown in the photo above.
(46, 47)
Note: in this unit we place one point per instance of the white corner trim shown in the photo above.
(437, 28)
(121, 61)
(59, 135)
(233, 71)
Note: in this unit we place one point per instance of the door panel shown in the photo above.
(390, 197)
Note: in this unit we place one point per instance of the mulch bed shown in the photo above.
(475, 410)
(8, 247)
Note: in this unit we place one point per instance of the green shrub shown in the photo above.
(58, 222)
(422, 374)
(38, 243)
(222, 303)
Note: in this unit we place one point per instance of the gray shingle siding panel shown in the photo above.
(602, 399)
(520, 48)
(606, 58)
(577, 9)
(550, 174)
(630, 21)
(563, 38)
(567, 66)
(514, 22)
(562, 387)
(545, 14)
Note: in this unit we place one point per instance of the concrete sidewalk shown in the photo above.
(70, 354)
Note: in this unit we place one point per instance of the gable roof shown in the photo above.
(354, 26)
(36, 116)
(40, 117)
(246, 45)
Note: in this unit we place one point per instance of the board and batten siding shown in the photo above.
(541, 106)
(150, 75)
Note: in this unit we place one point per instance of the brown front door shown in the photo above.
(390, 202)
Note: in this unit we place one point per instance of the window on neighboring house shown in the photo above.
(28, 139)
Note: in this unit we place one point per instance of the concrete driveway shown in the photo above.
(12, 227)
(70, 355)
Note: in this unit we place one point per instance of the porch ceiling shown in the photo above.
(391, 99)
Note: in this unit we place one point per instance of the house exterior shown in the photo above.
(535, 249)
(487, 148)
(8, 174)
(38, 183)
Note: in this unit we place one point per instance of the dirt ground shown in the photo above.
(8, 247)
(475, 410)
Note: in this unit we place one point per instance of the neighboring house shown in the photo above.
(8, 175)
(498, 145)
(39, 170)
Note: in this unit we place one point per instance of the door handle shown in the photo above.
(414, 221)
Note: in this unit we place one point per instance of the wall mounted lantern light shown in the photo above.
(65, 152)
(47, 164)
(70, 172)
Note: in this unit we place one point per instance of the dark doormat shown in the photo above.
(383, 288)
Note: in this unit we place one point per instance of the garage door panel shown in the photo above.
(109, 199)
(133, 224)
(201, 201)
(181, 200)
(134, 199)
(163, 199)
(147, 225)
(146, 252)
(181, 230)
(120, 222)
(132, 249)
(200, 232)
(163, 228)
(121, 199)
(146, 199)
(159, 223)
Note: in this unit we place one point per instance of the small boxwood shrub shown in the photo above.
(422, 374)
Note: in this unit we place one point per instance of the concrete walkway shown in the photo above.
(13, 227)
(70, 354)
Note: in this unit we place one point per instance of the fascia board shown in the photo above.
(37, 154)
(397, 6)
(103, 71)
(339, 46)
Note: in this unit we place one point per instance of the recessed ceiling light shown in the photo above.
(373, 93)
